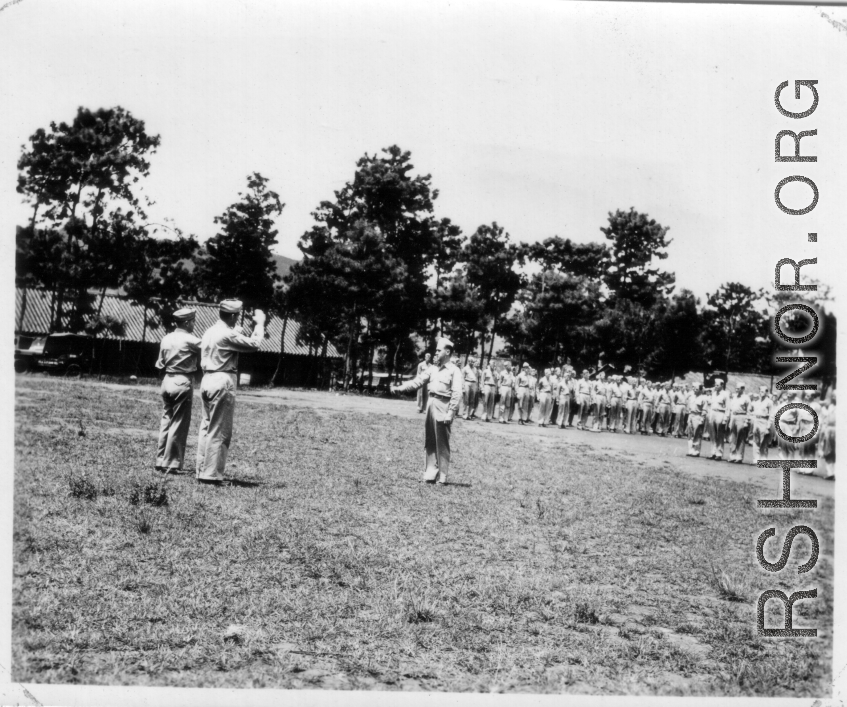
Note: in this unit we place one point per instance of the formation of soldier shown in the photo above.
(730, 421)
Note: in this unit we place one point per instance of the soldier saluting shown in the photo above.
(444, 385)
(219, 351)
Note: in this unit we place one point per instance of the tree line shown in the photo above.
(381, 275)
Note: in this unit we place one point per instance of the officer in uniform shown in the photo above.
(219, 351)
(717, 418)
(739, 423)
(565, 394)
(179, 355)
(470, 390)
(522, 384)
(646, 402)
(761, 410)
(615, 400)
(679, 395)
(444, 380)
(545, 397)
(513, 401)
(584, 390)
(663, 409)
(489, 392)
(630, 405)
(422, 366)
(599, 402)
(697, 405)
(533, 392)
(506, 382)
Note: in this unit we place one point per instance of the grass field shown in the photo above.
(538, 570)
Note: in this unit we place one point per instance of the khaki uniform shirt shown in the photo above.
(220, 346)
(739, 404)
(179, 352)
(445, 381)
(718, 401)
(762, 408)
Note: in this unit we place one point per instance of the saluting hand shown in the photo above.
(259, 317)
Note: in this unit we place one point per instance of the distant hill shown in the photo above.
(283, 267)
(283, 264)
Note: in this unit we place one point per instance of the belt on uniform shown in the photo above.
(439, 395)
(180, 373)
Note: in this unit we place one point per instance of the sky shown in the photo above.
(541, 116)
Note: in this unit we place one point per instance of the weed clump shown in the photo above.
(729, 586)
(152, 494)
(81, 487)
(585, 614)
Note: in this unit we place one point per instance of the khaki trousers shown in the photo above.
(663, 414)
(739, 426)
(761, 438)
(524, 402)
(489, 396)
(217, 391)
(564, 410)
(614, 413)
(629, 416)
(717, 432)
(177, 394)
(647, 418)
(598, 409)
(505, 402)
(436, 441)
(679, 426)
(470, 393)
(696, 425)
(545, 407)
(584, 409)
(423, 396)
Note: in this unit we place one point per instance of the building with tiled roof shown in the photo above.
(134, 341)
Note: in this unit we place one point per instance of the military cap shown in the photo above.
(719, 380)
(526, 365)
(186, 314)
(231, 306)
(763, 389)
(445, 343)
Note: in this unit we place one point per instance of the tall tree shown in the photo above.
(679, 342)
(238, 261)
(735, 330)
(490, 261)
(448, 249)
(369, 253)
(81, 180)
(636, 240)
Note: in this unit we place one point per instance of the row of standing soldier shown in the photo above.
(633, 404)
